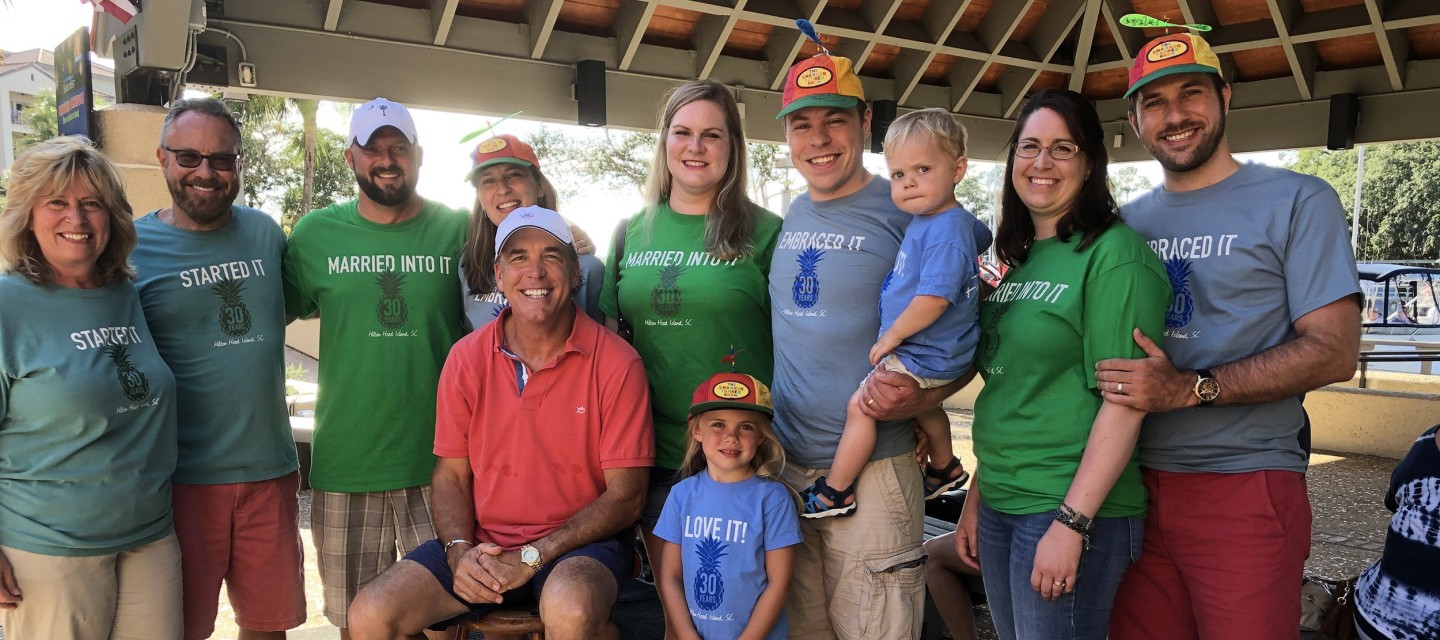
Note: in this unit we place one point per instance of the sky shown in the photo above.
(29, 24)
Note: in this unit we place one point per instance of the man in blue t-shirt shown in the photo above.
(1265, 308)
(838, 241)
(210, 285)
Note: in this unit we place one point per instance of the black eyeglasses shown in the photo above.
(191, 159)
(1058, 151)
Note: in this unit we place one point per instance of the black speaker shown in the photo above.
(1344, 115)
(590, 92)
(882, 113)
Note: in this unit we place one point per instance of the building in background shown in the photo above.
(22, 75)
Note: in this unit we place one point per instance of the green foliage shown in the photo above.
(1128, 182)
(1400, 199)
(4, 188)
(979, 192)
(40, 116)
(273, 144)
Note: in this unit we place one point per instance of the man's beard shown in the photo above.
(200, 209)
(391, 197)
(1209, 142)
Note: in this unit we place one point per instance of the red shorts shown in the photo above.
(1223, 557)
(246, 534)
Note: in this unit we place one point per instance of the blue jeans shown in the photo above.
(1007, 557)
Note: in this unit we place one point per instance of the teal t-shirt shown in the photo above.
(87, 442)
(385, 294)
(1042, 331)
(215, 302)
(688, 310)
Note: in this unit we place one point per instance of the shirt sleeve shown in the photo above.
(668, 527)
(1122, 298)
(592, 275)
(782, 519)
(298, 302)
(455, 402)
(608, 303)
(1319, 262)
(627, 435)
(948, 270)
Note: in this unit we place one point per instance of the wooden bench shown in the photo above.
(510, 621)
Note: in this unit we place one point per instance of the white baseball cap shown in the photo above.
(533, 216)
(372, 115)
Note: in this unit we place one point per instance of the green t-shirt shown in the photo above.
(388, 317)
(87, 421)
(688, 310)
(1042, 331)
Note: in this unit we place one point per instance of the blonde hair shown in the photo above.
(730, 223)
(769, 457)
(47, 169)
(939, 127)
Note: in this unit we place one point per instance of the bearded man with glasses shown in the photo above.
(210, 282)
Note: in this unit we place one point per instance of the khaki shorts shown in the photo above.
(359, 535)
(893, 363)
(131, 595)
(862, 576)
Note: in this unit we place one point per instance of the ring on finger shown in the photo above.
(1120, 387)
(1060, 583)
(870, 402)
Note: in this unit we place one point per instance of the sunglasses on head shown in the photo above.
(191, 159)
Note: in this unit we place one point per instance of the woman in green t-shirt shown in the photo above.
(1060, 503)
(87, 409)
(692, 270)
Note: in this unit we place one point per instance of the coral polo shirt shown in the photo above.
(539, 441)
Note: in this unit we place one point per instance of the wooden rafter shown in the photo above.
(542, 15)
(1394, 47)
(630, 23)
(1301, 55)
(332, 14)
(1084, 44)
(442, 16)
(994, 32)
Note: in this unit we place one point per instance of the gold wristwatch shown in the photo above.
(531, 557)
(1207, 388)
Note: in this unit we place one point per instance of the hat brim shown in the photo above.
(1170, 71)
(819, 100)
(697, 409)
(500, 244)
(494, 161)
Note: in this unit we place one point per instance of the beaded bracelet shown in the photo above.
(1075, 521)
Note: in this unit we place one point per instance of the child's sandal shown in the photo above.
(814, 508)
(938, 481)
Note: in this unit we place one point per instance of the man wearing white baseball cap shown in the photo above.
(545, 443)
(381, 271)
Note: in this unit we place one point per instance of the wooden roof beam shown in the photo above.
(631, 20)
(911, 64)
(1045, 39)
(442, 15)
(1394, 46)
(332, 14)
(994, 33)
(1127, 40)
(541, 15)
(1084, 44)
(710, 37)
(878, 14)
(1301, 56)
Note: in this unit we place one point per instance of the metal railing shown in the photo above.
(1426, 357)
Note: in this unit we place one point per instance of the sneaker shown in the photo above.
(938, 481)
(814, 508)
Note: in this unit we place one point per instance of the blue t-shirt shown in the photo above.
(825, 277)
(1399, 596)
(724, 530)
(938, 258)
(1246, 258)
(87, 421)
(215, 301)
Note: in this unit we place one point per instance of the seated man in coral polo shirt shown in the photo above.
(545, 444)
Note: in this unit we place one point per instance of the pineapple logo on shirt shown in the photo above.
(709, 585)
(806, 290)
(137, 386)
(990, 333)
(392, 312)
(1182, 306)
(234, 317)
(665, 297)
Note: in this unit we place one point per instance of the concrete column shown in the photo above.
(129, 134)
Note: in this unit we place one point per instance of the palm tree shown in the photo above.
(270, 111)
